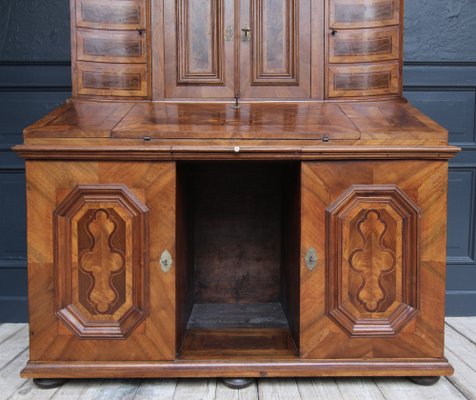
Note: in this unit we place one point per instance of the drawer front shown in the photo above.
(112, 80)
(363, 13)
(364, 45)
(104, 14)
(111, 46)
(363, 80)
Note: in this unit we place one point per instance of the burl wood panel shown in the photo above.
(364, 45)
(379, 222)
(100, 241)
(104, 14)
(275, 61)
(128, 80)
(372, 249)
(363, 80)
(363, 13)
(252, 120)
(111, 46)
(199, 60)
(102, 219)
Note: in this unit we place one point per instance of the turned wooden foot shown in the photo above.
(46, 383)
(237, 383)
(425, 380)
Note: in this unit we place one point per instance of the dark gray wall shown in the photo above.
(440, 78)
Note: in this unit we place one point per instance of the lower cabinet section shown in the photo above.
(249, 268)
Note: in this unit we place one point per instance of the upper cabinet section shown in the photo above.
(221, 49)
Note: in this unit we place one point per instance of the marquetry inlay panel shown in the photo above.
(112, 79)
(275, 24)
(363, 80)
(100, 240)
(364, 45)
(363, 13)
(104, 14)
(373, 260)
(111, 46)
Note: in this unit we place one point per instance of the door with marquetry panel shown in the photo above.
(373, 259)
(108, 250)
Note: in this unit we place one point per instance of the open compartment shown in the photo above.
(238, 259)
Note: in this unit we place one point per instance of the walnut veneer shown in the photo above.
(236, 189)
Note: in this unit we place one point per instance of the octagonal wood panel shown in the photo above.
(373, 260)
(100, 242)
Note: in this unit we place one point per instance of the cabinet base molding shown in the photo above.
(271, 369)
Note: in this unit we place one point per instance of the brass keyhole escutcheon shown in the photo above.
(166, 261)
(245, 33)
(311, 259)
(229, 33)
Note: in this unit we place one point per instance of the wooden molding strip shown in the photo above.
(202, 369)
(150, 153)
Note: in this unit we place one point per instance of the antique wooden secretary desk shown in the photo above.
(236, 189)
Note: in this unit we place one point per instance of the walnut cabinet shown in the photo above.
(236, 189)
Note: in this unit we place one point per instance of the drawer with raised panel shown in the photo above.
(364, 45)
(106, 14)
(363, 80)
(363, 13)
(111, 46)
(125, 80)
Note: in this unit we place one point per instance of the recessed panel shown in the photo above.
(275, 42)
(200, 41)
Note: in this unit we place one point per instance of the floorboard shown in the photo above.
(460, 350)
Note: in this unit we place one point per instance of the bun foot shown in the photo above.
(424, 380)
(46, 383)
(237, 383)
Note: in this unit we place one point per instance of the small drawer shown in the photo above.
(111, 46)
(363, 80)
(106, 14)
(363, 13)
(364, 45)
(126, 80)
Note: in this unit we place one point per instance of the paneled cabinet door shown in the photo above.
(101, 245)
(199, 48)
(275, 53)
(373, 259)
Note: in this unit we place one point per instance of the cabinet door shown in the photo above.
(373, 259)
(199, 49)
(275, 50)
(101, 244)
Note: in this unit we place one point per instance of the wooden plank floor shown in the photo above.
(460, 350)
